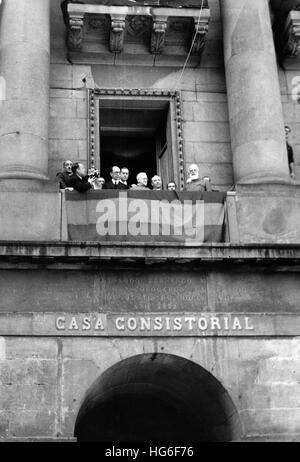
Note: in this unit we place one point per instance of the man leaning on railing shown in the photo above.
(79, 180)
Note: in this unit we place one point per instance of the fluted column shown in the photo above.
(25, 66)
(255, 109)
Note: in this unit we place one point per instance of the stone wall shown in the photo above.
(43, 380)
(205, 113)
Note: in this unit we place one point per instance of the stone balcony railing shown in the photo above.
(180, 219)
(95, 30)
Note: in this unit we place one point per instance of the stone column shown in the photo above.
(255, 109)
(25, 66)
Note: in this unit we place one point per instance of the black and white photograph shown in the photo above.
(149, 224)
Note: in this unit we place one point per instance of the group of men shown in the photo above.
(75, 177)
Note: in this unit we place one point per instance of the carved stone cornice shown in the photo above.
(201, 29)
(158, 34)
(292, 34)
(75, 32)
(116, 40)
(146, 29)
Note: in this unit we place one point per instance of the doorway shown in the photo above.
(157, 397)
(134, 151)
(137, 134)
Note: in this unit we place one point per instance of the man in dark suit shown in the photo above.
(64, 177)
(79, 180)
(124, 175)
(115, 182)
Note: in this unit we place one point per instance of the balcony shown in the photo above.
(251, 215)
(120, 31)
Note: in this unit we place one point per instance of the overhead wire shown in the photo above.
(191, 47)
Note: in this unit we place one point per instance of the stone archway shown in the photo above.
(157, 397)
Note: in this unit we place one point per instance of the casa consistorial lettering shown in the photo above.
(153, 324)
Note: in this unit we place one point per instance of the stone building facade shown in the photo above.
(204, 338)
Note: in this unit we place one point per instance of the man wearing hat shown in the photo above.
(289, 152)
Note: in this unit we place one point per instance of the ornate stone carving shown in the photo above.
(75, 32)
(171, 95)
(292, 34)
(103, 23)
(98, 22)
(158, 34)
(116, 41)
(201, 29)
(138, 26)
(179, 25)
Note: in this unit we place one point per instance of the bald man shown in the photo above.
(142, 181)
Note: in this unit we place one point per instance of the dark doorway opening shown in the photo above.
(136, 152)
(136, 134)
(157, 397)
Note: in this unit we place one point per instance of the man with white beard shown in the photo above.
(194, 182)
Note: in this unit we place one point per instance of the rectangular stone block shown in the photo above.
(269, 214)
(32, 424)
(60, 150)
(215, 29)
(32, 372)
(61, 73)
(279, 369)
(160, 292)
(212, 56)
(210, 76)
(294, 138)
(104, 352)
(67, 129)
(188, 111)
(214, 6)
(259, 349)
(77, 377)
(210, 112)
(250, 292)
(61, 93)
(65, 108)
(189, 95)
(81, 108)
(270, 421)
(207, 96)
(4, 424)
(133, 76)
(68, 422)
(28, 397)
(291, 114)
(208, 152)
(81, 72)
(272, 396)
(207, 131)
(34, 216)
(2, 348)
(31, 348)
(5, 373)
